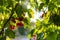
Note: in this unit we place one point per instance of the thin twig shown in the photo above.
(12, 12)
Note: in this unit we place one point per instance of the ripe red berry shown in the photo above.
(20, 19)
(13, 20)
(42, 15)
(11, 27)
(19, 24)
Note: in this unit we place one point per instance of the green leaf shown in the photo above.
(1, 9)
(54, 0)
(51, 6)
(10, 3)
(3, 2)
(38, 23)
(41, 6)
(3, 38)
(17, 0)
(52, 36)
(30, 13)
(36, 6)
(58, 36)
(43, 0)
(32, 31)
(47, 1)
(22, 0)
(58, 3)
(19, 10)
(40, 36)
(10, 33)
(27, 21)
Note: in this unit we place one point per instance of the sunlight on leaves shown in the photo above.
(7, 38)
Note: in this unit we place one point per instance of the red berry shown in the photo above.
(42, 15)
(34, 35)
(11, 27)
(13, 20)
(20, 24)
(20, 19)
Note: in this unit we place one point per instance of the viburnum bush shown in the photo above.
(13, 14)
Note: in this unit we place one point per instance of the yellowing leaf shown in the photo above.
(29, 36)
(6, 16)
(38, 23)
(46, 18)
(58, 28)
(45, 29)
(0, 27)
(46, 21)
(12, 23)
(1, 22)
(48, 13)
(35, 30)
(3, 17)
(55, 9)
(39, 31)
(31, 0)
(31, 13)
(45, 35)
(7, 38)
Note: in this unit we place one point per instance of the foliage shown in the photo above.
(11, 12)
(50, 23)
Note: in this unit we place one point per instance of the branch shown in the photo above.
(12, 12)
